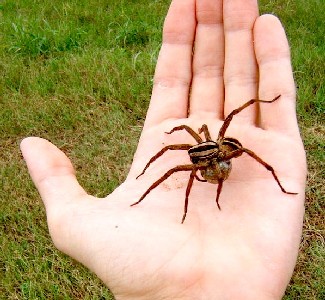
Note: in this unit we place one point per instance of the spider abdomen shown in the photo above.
(216, 171)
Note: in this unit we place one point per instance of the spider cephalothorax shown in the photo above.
(211, 158)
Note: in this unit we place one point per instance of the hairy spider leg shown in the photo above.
(269, 168)
(206, 132)
(199, 179)
(163, 178)
(220, 183)
(189, 130)
(162, 151)
(233, 154)
(226, 123)
(188, 189)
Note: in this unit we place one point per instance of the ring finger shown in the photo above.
(240, 74)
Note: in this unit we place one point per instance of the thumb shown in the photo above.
(51, 172)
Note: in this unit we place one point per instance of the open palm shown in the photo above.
(248, 249)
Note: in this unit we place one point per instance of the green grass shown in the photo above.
(79, 74)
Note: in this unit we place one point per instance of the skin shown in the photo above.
(248, 249)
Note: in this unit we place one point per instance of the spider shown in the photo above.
(211, 158)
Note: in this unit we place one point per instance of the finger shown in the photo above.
(276, 77)
(240, 74)
(174, 67)
(207, 91)
(51, 172)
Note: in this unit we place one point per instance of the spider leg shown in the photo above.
(163, 178)
(206, 132)
(238, 110)
(233, 154)
(188, 189)
(220, 183)
(162, 151)
(199, 179)
(189, 130)
(269, 168)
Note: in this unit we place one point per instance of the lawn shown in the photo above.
(79, 73)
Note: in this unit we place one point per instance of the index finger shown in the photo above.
(173, 73)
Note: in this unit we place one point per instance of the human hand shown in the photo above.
(248, 249)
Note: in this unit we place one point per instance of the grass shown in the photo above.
(79, 74)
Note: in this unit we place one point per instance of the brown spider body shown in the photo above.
(211, 158)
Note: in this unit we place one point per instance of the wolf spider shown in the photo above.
(211, 158)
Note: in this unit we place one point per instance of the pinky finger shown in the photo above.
(276, 77)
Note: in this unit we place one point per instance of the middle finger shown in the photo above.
(207, 92)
